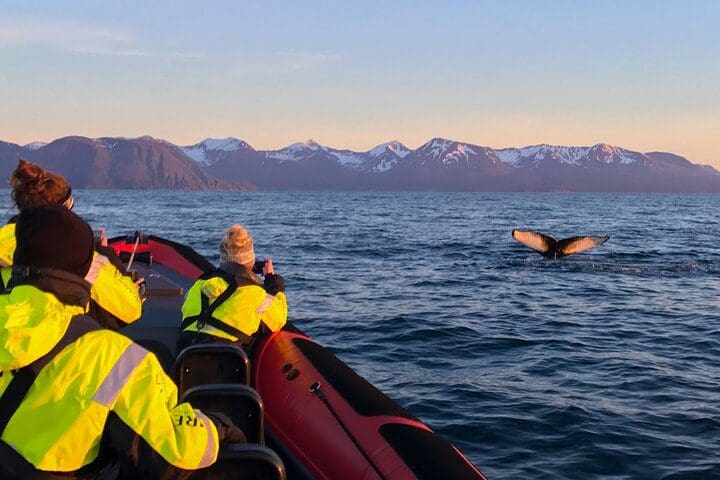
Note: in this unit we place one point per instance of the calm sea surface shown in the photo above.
(601, 365)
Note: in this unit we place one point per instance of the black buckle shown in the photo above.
(138, 236)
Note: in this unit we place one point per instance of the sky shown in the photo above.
(644, 75)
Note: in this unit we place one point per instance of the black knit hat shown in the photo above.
(53, 236)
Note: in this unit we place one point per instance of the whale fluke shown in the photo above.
(551, 248)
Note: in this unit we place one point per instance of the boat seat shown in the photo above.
(244, 462)
(240, 402)
(140, 257)
(161, 351)
(211, 363)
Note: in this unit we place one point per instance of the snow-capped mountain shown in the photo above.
(446, 152)
(440, 152)
(211, 150)
(451, 165)
(109, 162)
(295, 152)
(396, 148)
(385, 156)
(34, 145)
(540, 155)
(439, 164)
(378, 159)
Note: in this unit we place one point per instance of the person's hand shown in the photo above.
(100, 237)
(142, 289)
(268, 267)
(227, 431)
(274, 283)
(234, 435)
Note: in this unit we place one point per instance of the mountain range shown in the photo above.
(439, 164)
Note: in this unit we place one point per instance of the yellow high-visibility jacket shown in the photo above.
(99, 383)
(242, 312)
(114, 293)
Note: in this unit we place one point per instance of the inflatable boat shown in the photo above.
(322, 419)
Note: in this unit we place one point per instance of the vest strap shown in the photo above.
(206, 310)
(24, 377)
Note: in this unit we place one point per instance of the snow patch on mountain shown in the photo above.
(229, 144)
(537, 154)
(436, 147)
(107, 143)
(384, 157)
(384, 165)
(34, 145)
(295, 152)
(448, 152)
(378, 159)
(394, 147)
(608, 154)
(196, 153)
(347, 158)
(302, 150)
(459, 153)
(211, 150)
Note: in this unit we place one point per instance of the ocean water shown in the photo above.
(601, 365)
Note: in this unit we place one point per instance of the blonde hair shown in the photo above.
(237, 246)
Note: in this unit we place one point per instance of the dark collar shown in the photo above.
(67, 287)
(243, 275)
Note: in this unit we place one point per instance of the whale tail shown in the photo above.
(537, 241)
(549, 247)
(569, 246)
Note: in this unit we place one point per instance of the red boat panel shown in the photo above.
(334, 440)
(174, 256)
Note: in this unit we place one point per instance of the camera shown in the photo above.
(98, 236)
(258, 267)
(143, 291)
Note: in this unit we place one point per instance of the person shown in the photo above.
(116, 301)
(230, 304)
(77, 400)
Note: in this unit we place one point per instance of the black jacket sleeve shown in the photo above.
(274, 283)
(138, 460)
(135, 457)
(105, 318)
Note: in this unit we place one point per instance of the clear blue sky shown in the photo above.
(644, 75)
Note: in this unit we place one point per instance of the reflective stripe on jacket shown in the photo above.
(112, 291)
(7, 250)
(59, 424)
(243, 310)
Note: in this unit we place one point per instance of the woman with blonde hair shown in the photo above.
(115, 298)
(231, 304)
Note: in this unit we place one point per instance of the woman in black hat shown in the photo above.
(115, 298)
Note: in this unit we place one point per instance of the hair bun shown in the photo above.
(28, 172)
(33, 185)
